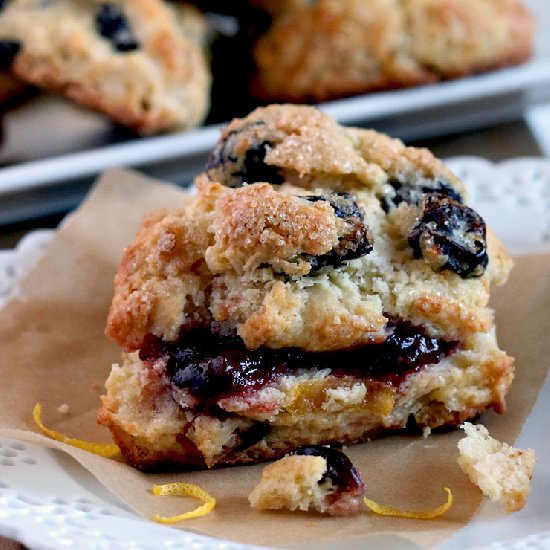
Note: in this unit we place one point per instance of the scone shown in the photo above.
(325, 284)
(458, 37)
(139, 61)
(325, 49)
(312, 478)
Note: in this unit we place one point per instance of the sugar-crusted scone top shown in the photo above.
(310, 235)
(139, 61)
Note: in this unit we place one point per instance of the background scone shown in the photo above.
(324, 285)
(139, 61)
(352, 46)
(345, 47)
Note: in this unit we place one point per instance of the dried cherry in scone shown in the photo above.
(254, 168)
(344, 204)
(113, 25)
(400, 192)
(244, 167)
(8, 50)
(450, 236)
(224, 151)
(355, 242)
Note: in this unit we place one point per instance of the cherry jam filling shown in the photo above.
(340, 469)
(211, 367)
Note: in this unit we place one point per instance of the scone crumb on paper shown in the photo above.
(503, 473)
(63, 408)
(327, 484)
(291, 482)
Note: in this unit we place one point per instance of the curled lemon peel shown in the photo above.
(184, 490)
(106, 450)
(391, 511)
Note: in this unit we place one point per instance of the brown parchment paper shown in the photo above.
(53, 350)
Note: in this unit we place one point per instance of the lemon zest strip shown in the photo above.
(391, 511)
(186, 490)
(106, 450)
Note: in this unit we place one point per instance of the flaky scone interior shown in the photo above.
(323, 285)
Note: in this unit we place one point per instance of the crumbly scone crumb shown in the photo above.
(502, 472)
(316, 478)
(291, 482)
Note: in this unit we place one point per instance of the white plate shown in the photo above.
(51, 185)
(48, 501)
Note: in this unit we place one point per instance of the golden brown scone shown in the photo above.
(312, 478)
(314, 51)
(333, 48)
(323, 285)
(502, 472)
(139, 61)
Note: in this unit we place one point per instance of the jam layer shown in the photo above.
(212, 367)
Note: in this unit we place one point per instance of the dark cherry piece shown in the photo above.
(413, 194)
(212, 367)
(8, 50)
(251, 168)
(223, 152)
(357, 242)
(254, 168)
(344, 204)
(112, 24)
(340, 470)
(453, 232)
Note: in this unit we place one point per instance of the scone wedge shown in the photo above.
(323, 285)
